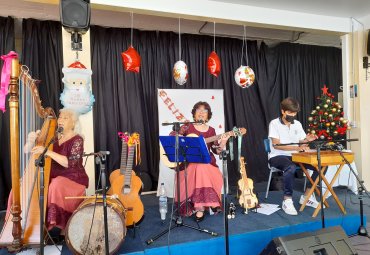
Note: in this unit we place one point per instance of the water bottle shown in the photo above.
(162, 202)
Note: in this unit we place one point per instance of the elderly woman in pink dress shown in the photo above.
(68, 176)
(204, 181)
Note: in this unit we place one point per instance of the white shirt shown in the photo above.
(286, 134)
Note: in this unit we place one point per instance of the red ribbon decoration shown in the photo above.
(214, 64)
(5, 77)
(131, 60)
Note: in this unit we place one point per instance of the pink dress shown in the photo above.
(64, 182)
(204, 181)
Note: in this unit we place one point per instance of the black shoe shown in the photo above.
(216, 209)
(199, 219)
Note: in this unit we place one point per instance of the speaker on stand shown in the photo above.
(75, 18)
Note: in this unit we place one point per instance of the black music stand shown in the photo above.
(187, 150)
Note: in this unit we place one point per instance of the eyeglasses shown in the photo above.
(201, 110)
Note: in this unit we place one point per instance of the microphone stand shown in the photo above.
(178, 219)
(361, 230)
(101, 159)
(223, 157)
(40, 163)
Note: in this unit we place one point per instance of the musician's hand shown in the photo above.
(311, 137)
(303, 148)
(38, 150)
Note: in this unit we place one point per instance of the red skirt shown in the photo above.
(204, 184)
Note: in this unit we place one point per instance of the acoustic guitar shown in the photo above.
(247, 198)
(234, 132)
(127, 186)
(124, 138)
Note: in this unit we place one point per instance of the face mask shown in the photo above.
(289, 118)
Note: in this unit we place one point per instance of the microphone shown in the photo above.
(99, 154)
(60, 130)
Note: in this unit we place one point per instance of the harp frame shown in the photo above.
(30, 235)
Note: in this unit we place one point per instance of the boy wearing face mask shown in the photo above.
(282, 130)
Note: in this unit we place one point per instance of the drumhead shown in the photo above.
(85, 233)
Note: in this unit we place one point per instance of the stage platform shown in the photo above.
(249, 234)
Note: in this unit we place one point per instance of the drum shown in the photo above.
(85, 229)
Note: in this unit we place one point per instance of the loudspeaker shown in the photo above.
(75, 15)
(327, 241)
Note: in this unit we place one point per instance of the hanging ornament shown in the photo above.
(326, 106)
(317, 107)
(322, 137)
(335, 133)
(328, 101)
(310, 119)
(180, 69)
(313, 112)
(244, 75)
(180, 72)
(332, 123)
(214, 63)
(131, 58)
(334, 109)
(313, 132)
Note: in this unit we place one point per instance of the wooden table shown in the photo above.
(328, 158)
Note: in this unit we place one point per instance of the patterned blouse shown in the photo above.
(190, 129)
(73, 149)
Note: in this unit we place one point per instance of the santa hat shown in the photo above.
(76, 67)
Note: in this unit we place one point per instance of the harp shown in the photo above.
(22, 225)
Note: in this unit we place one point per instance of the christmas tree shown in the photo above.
(326, 121)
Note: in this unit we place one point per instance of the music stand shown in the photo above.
(187, 150)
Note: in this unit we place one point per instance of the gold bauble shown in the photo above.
(330, 115)
(339, 106)
(344, 121)
(326, 106)
(332, 123)
(328, 101)
(335, 133)
(317, 107)
(334, 109)
(349, 127)
(327, 124)
(341, 118)
(313, 132)
(326, 113)
(313, 112)
(310, 119)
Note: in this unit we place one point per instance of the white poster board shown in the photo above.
(176, 105)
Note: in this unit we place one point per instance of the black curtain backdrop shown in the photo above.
(127, 101)
(42, 53)
(7, 43)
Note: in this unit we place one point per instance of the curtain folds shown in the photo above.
(7, 43)
(127, 101)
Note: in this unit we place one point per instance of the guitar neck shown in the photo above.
(217, 137)
(130, 159)
(123, 157)
(243, 172)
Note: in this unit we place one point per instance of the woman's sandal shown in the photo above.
(197, 218)
(216, 209)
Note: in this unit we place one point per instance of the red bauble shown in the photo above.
(214, 64)
(131, 60)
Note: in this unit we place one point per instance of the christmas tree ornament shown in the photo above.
(326, 106)
(310, 119)
(317, 107)
(313, 132)
(327, 124)
(334, 109)
(335, 133)
(326, 113)
(328, 101)
(332, 123)
(341, 118)
(313, 112)
(322, 137)
(344, 121)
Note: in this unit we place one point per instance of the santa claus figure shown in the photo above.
(77, 95)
